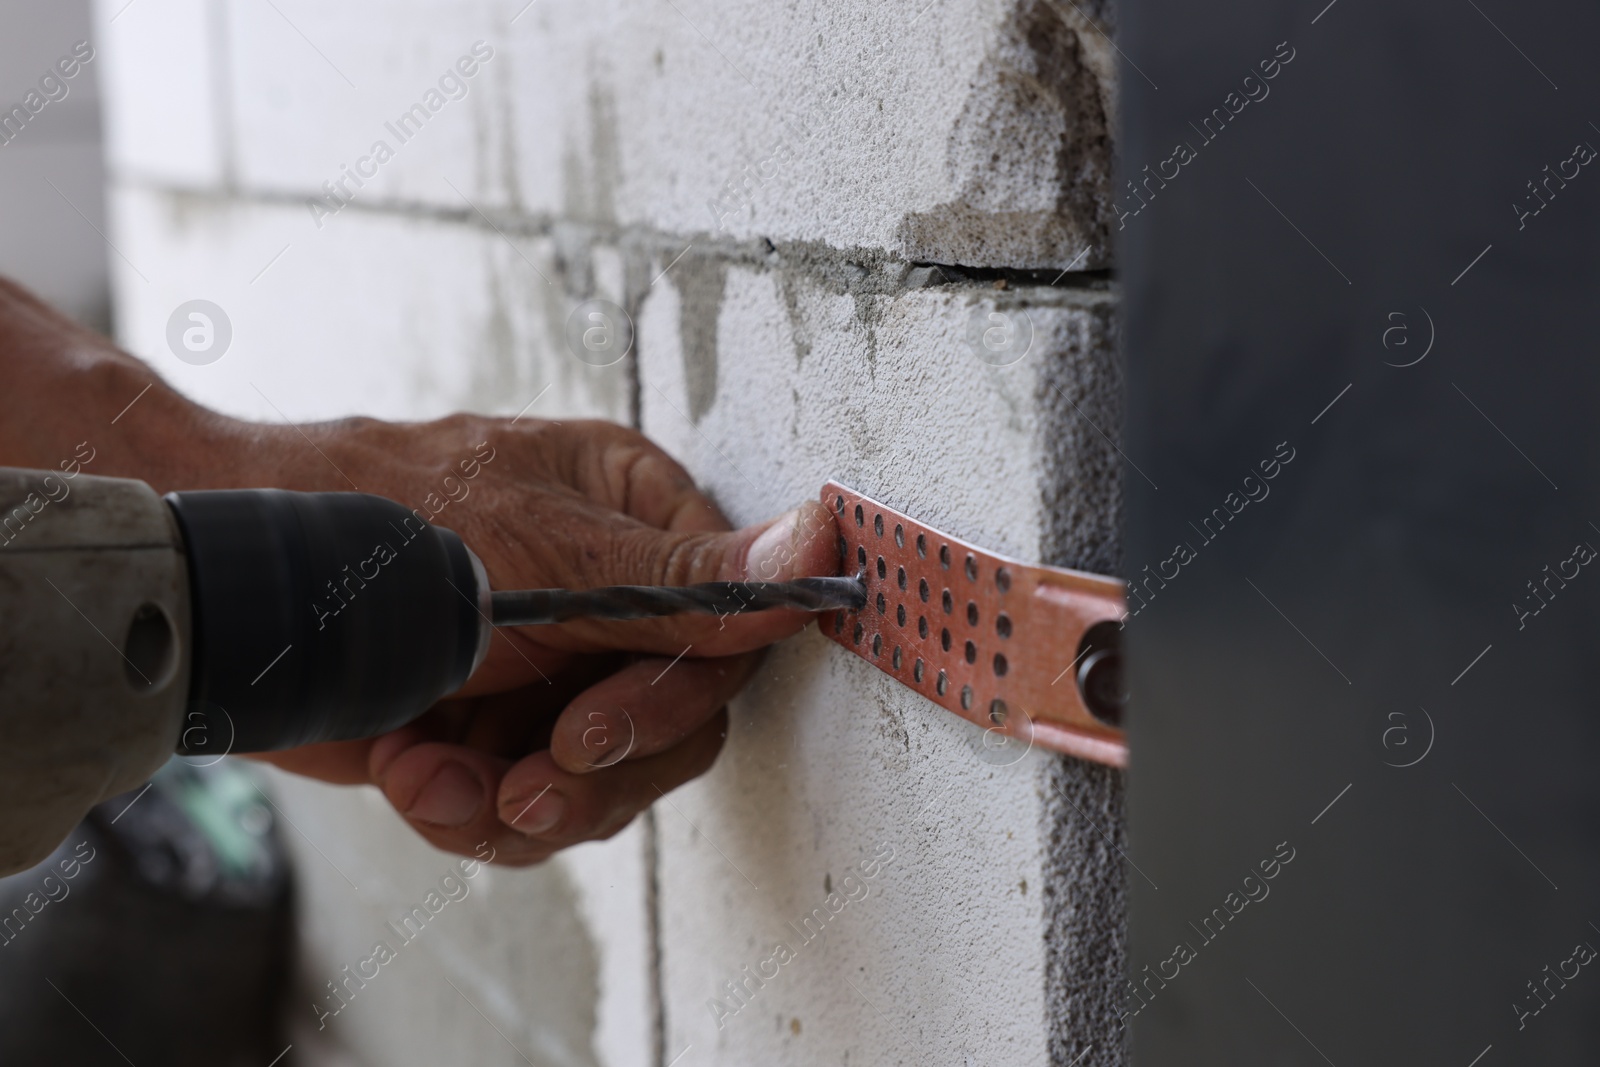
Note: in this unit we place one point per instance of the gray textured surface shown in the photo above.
(1080, 400)
(1085, 913)
(976, 133)
(1029, 154)
(1003, 892)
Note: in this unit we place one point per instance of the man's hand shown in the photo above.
(565, 733)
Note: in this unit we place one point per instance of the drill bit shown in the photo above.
(530, 607)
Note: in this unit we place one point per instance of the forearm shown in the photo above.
(71, 400)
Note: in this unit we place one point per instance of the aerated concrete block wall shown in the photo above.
(850, 240)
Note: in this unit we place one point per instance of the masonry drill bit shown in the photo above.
(531, 607)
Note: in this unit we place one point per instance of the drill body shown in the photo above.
(94, 650)
(133, 626)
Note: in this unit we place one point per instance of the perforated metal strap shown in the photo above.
(1007, 645)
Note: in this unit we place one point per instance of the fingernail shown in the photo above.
(538, 814)
(452, 798)
(773, 552)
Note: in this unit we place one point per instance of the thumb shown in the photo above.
(800, 543)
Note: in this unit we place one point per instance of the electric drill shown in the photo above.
(209, 622)
(133, 626)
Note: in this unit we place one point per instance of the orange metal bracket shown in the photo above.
(1018, 647)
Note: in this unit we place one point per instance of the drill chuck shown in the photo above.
(321, 616)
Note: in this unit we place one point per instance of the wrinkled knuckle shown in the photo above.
(689, 559)
(621, 465)
(590, 433)
(632, 558)
(622, 457)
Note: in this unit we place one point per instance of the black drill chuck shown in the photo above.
(321, 617)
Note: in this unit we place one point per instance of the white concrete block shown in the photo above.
(385, 102)
(977, 134)
(770, 382)
(379, 315)
(162, 68)
(611, 885)
(957, 133)
(506, 970)
(938, 959)
(886, 393)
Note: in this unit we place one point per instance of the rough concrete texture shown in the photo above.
(360, 873)
(954, 133)
(992, 936)
(485, 333)
(1084, 878)
(807, 333)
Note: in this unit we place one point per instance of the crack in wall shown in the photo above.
(836, 269)
(658, 1000)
